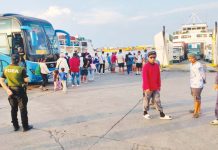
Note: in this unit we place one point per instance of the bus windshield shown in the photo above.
(40, 46)
(53, 41)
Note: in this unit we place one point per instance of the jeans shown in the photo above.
(90, 74)
(129, 68)
(44, 79)
(102, 66)
(75, 75)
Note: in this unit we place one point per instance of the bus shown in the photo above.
(32, 39)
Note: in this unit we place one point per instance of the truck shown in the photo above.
(178, 52)
(195, 48)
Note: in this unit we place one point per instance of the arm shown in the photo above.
(159, 76)
(5, 87)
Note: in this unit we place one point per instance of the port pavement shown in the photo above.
(107, 115)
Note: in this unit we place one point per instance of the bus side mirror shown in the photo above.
(33, 35)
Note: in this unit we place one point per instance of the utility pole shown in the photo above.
(215, 45)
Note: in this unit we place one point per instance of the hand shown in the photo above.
(148, 91)
(216, 87)
(9, 92)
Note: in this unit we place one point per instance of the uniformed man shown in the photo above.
(17, 78)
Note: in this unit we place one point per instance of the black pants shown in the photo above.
(19, 99)
(102, 66)
(44, 79)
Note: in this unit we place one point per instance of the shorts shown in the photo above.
(121, 65)
(196, 93)
(84, 71)
(138, 65)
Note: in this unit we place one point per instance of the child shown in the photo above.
(63, 78)
(57, 84)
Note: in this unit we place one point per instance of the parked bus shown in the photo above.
(29, 37)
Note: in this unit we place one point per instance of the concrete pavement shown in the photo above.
(107, 115)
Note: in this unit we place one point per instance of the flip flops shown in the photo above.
(214, 122)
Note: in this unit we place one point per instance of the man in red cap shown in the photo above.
(152, 85)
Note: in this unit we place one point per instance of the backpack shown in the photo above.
(38, 70)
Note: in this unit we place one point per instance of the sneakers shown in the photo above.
(147, 116)
(73, 85)
(77, 85)
(29, 127)
(214, 122)
(166, 117)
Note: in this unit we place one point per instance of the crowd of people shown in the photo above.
(81, 68)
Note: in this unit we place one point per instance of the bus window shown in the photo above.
(53, 41)
(5, 26)
(41, 45)
(4, 45)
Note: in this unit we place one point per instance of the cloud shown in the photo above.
(95, 17)
(208, 6)
(55, 11)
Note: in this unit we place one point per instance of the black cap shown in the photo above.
(15, 59)
(152, 53)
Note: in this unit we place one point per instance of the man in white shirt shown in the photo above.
(102, 59)
(139, 60)
(197, 81)
(120, 61)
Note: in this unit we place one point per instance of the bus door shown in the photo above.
(4, 52)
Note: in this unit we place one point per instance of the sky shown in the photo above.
(115, 23)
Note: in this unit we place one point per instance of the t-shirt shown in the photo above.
(139, 59)
(15, 75)
(197, 75)
(63, 76)
(113, 59)
(120, 58)
(102, 59)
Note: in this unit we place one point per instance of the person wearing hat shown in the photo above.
(197, 81)
(152, 85)
(16, 90)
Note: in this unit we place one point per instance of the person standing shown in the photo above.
(215, 122)
(63, 78)
(129, 62)
(75, 69)
(16, 90)
(151, 86)
(120, 61)
(139, 60)
(197, 81)
(44, 74)
(109, 61)
(102, 62)
(84, 72)
(96, 62)
(113, 62)
(62, 63)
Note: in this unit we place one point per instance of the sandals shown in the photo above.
(214, 122)
(147, 116)
(166, 117)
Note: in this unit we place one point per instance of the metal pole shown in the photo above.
(215, 44)
(164, 45)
